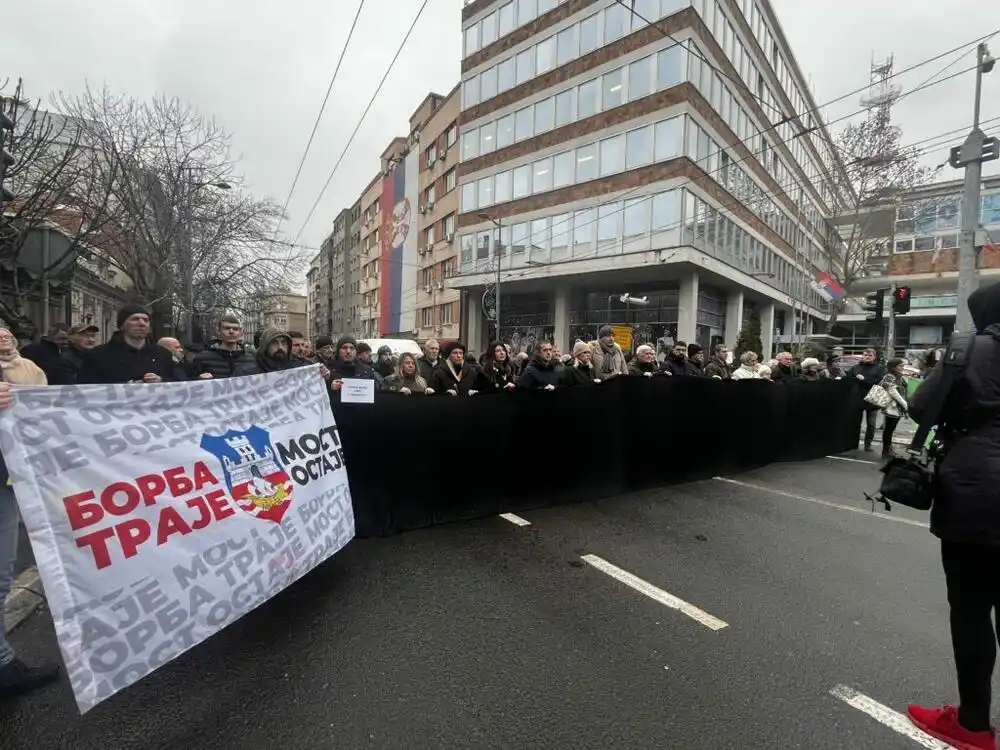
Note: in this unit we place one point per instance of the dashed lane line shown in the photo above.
(885, 715)
(655, 593)
(515, 519)
(825, 503)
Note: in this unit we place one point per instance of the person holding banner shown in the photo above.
(16, 677)
(129, 357)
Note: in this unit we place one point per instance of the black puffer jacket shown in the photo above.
(224, 363)
(680, 367)
(967, 502)
(67, 370)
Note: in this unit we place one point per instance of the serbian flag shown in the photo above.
(828, 288)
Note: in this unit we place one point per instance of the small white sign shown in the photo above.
(357, 391)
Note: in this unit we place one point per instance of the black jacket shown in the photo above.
(495, 379)
(343, 370)
(67, 370)
(783, 374)
(470, 379)
(872, 375)
(117, 362)
(716, 368)
(46, 355)
(271, 364)
(224, 363)
(426, 369)
(680, 367)
(967, 502)
(539, 374)
(637, 369)
(577, 375)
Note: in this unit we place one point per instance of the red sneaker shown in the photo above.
(943, 724)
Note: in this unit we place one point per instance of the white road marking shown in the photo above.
(826, 503)
(885, 715)
(515, 519)
(655, 593)
(853, 460)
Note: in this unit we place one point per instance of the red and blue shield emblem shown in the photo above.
(255, 479)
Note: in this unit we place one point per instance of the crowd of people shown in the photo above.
(70, 355)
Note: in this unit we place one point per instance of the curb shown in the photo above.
(24, 600)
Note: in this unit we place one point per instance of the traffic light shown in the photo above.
(875, 305)
(6, 160)
(901, 300)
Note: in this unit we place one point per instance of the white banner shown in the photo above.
(161, 513)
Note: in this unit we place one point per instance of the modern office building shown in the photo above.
(675, 161)
(437, 305)
(922, 253)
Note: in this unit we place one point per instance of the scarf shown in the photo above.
(610, 351)
(457, 375)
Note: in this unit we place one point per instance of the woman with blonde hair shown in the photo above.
(17, 369)
(749, 368)
(407, 378)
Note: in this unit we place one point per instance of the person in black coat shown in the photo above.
(47, 353)
(498, 370)
(966, 517)
(275, 352)
(456, 377)
(226, 357)
(129, 357)
(677, 362)
(541, 373)
(581, 370)
(347, 364)
(82, 340)
(870, 373)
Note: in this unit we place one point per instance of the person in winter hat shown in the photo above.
(580, 369)
(609, 359)
(385, 364)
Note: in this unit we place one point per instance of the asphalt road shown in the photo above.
(492, 635)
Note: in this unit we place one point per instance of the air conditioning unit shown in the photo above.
(421, 250)
(416, 331)
(427, 288)
(429, 206)
(440, 284)
(449, 238)
(430, 162)
(444, 156)
(423, 208)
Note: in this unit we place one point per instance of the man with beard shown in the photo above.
(275, 352)
(677, 362)
(384, 365)
(325, 349)
(82, 340)
(347, 365)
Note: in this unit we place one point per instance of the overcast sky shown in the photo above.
(261, 68)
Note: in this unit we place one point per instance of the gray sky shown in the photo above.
(261, 68)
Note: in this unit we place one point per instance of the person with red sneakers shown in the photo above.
(966, 517)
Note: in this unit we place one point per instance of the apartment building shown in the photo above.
(606, 158)
(369, 254)
(314, 299)
(437, 305)
(922, 253)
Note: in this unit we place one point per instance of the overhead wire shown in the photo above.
(319, 116)
(361, 121)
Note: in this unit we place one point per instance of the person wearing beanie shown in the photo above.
(608, 357)
(580, 370)
(385, 363)
(811, 369)
(456, 377)
(325, 348)
(129, 357)
(347, 365)
(696, 356)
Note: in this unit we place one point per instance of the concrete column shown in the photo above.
(560, 317)
(475, 323)
(687, 309)
(767, 330)
(734, 317)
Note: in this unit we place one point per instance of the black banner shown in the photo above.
(416, 461)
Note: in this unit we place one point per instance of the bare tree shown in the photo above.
(192, 235)
(878, 169)
(62, 209)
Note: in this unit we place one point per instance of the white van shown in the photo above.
(398, 346)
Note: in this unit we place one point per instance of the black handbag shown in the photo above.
(909, 480)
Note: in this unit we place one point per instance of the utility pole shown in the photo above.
(497, 243)
(971, 155)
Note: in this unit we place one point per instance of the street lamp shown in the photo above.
(496, 257)
(192, 189)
